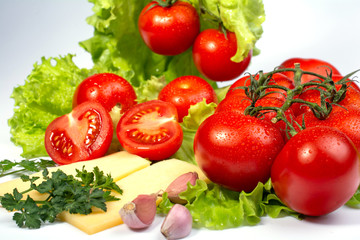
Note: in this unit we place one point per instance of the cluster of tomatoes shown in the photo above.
(313, 172)
(172, 27)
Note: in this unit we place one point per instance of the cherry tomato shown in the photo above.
(309, 64)
(276, 79)
(186, 91)
(85, 133)
(108, 89)
(236, 151)
(150, 130)
(212, 52)
(240, 103)
(346, 120)
(317, 171)
(169, 30)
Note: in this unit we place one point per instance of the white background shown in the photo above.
(324, 29)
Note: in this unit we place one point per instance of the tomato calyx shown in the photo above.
(162, 3)
(331, 93)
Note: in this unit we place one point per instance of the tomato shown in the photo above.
(169, 30)
(150, 130)
(236, 151)
(309, 64)
(186, 91)
(345, 120)
(317, 171)
(276, 79)
(108, 89)
(212, 52)
(240, 103)
(85, 133)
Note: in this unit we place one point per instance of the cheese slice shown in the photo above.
(119, 165)
(146, 181)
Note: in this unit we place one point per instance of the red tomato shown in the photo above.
(85, 133)
(309, 64)
(276, 79)
(212, 52)
(317, 171)
(186, 91)
(169, 30)
(236, 151)
(345, 120)
(150, 130)
(240, 103)
(108, 89)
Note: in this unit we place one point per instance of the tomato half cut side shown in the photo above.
(84, 134)
(150, 130)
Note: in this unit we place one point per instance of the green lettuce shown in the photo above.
(215, 207)
(46, 94)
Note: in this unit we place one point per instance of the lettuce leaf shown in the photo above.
(217, 208)
(197, 114)
(46, 94)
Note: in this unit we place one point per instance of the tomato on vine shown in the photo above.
(317, 171)
(169, 27)
(235, 150)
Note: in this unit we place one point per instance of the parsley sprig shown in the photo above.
(8, 167)
(77, 195)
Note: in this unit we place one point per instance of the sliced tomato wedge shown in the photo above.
(84, 134)
(150, 130)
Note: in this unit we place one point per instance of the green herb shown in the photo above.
(65, 193)
(8, 167)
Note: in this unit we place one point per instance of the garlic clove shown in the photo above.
(179, 185)
(178, 223)
(139, 213)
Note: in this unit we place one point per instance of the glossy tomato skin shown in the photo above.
(84, 134)
(309, 64)
(239, 103)
(317, 171)
(150, 130)
(108, 89)
(212, 53)
(236, 151)
(169, 30)
(346, 120)
(186, 91)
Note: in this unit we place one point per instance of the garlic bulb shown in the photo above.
(139, 213)
(180, 185)
(178, 223)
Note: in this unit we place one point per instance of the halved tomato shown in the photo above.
(84, 134)
(150, 130)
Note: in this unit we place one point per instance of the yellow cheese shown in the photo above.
(146, 181)
(119, 165)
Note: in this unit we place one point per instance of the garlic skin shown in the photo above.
(139, 213)
(179, 185)
(178, 223)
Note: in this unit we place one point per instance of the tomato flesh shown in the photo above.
(150, 130)
(83, 134)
